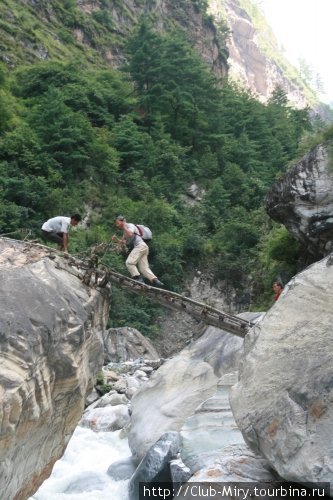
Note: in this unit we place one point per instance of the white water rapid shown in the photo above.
(81, 473)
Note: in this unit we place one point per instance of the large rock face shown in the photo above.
(178, 329)
(179, 386)
(257, 69)
(166, 13)
(51, 349)
(103, 30)
(283, 402)
(303, 201)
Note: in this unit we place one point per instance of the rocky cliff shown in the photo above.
(181, 426)
(283, 402)
(95, 30)
(302, 200)
(51, 349)
(166, 13)
(179, 386)
(255, 59)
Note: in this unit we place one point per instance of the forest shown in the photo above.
(101, 141)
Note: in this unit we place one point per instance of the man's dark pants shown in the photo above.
(53, 236)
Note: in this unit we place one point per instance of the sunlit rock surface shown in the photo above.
(51, 348)
(283, 402)
(179, 386)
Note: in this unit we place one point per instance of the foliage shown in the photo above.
(103, 142)
(280, 257)
(101, 387)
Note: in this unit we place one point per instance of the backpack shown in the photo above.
(144, 232)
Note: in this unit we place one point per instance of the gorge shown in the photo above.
(52, 348)
(112, 107)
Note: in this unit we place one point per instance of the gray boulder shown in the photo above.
(236, 470)
(50, 351)
(155, 466)
(122, 344)
(237, 463)
(180, 473)
(303, 201)
(283, 402)
(112, 399)
(176, 389)
(107, 418)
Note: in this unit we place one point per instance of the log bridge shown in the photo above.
(93, 273)
(198, 310)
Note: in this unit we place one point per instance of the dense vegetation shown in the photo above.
(104, 142)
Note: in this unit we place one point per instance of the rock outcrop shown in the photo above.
(178, 329)
(51, 348)
(175, 401)
(179, 386)
(126, 344)
(283, 401)
(201, 33)
(101, 28)
(258, 69)
(155, 465)
(211, 428)
(303, 201)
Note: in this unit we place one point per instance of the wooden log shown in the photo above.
(94, 274)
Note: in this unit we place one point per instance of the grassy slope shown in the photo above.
(50, 30)
(32, 30)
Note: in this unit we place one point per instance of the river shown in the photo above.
(81, 474)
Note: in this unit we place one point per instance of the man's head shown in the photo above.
(277, 286)
(75, 219)
(120, 221)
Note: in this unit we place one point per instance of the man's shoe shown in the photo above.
(157, 282)
(139, 279)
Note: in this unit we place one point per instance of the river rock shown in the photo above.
(155, 465)
(180, 473)
(51, 350)
(122, 344)
(113, 399)
(283, 402)
(211, 428)
(93, 397)
(237, 464)
(108, 418)
(176, 389)
(121, 385)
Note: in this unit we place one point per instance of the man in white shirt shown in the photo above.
(57, 228)
(138, 257)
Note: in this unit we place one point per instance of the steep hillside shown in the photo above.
(95, 30)
(79, 135)
(255, 58)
